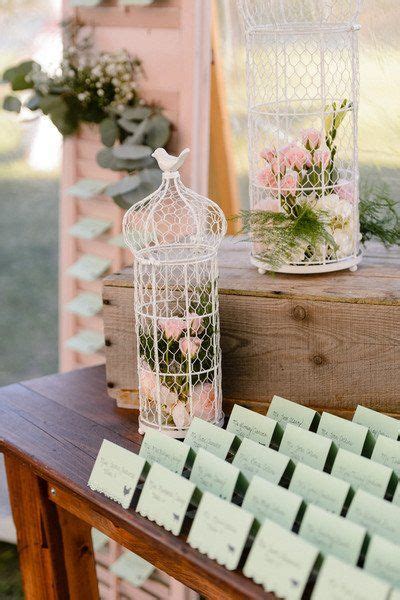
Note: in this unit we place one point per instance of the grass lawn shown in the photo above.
(10, 579)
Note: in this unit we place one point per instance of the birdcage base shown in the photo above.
(310, 269)
(175, 433)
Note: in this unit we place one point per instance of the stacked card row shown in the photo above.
(292, 530)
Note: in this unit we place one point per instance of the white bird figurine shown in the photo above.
(170, 163)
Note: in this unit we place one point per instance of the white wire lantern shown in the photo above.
(174, 235)
(302, 85)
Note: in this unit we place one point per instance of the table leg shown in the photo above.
(38, 534)
(79, 557)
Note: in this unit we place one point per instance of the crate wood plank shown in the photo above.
(59, 446)
(331, 340)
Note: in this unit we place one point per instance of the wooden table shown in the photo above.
(50, 432)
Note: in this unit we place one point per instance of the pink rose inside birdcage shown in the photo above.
(177, 330)
(307, 177)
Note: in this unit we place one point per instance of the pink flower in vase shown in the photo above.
(167, 397)
(196, 323)
(172, 328)
(267, 178)
(296, 157)
(203, 401)
(268, 154)
(311, 138)
(148, 381)
(289, 183)
(180, 415)
(322, 157)
(278, 165)
(345, 190)
(190, 347)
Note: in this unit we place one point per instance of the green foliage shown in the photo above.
(280, 234)
(379, 213)
(12, 104)
(18, 76)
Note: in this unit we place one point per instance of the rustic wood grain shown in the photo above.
(55, 425)
(328, 341)
(38, 534)
(79, 556)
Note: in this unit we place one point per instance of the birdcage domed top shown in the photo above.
(174, 223)
(264, 14)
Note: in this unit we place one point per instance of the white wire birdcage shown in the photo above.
(174, 235)
(302, 86)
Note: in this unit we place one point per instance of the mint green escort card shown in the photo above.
(86, 304)
(165, 498)
(387, 452)
(394, 594)
(246, 423)
(339, 581)
(317, 487)
(116, 473)
(280, 561)
(89, 267)
(361, 472)
(379, 516)
(212, 474)
(132, 568)
(202, 434)
(378, 423)
(254, 459)
(88, 228)
(284, 411)
(307, 447)
(396, 496)
(159, 447)
(346, 434)
(265, 500)
(383, 560)
(333, 534)
(220, 530)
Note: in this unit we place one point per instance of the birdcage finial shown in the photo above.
(168, 163)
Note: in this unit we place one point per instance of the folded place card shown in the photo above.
(284, 411)
(159, 447)
(246, 423)
(99, 540)
(89, 267)
(322, 489)
(85, 304)
(266, 500)
(378, 423)
(253, 459)
(87, 188)
(346, 434)
(202, 434)
(387, 452)
(116, 473)
(132, 568)
(117, 240)
(333, 534)
(379, 516)
(220, 530)
(307, 447)
(361, 472)
(88, 228)
(383, 560)
(165, 498)
(339, 581)
(280, 561)
(86, 341)
(396, 496)
(212, 474)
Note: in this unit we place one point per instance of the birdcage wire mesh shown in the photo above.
(303, 87)
(174, 235)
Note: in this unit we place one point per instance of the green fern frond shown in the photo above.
(379, 213)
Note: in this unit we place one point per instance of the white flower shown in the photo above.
(82, 96)
(345, 240)
(100, 92)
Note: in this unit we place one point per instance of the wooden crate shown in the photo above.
(329, 340)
